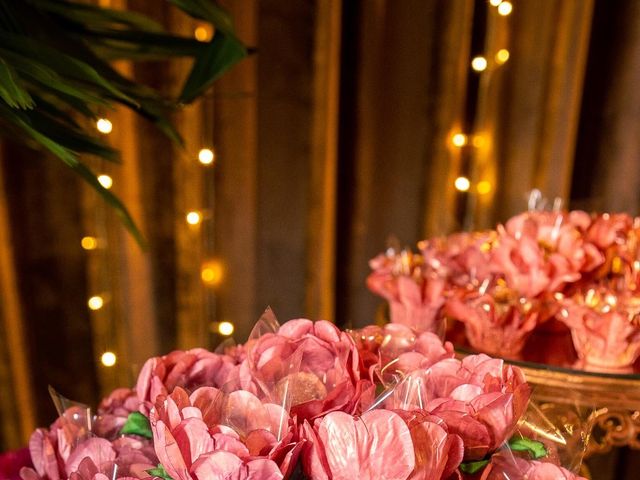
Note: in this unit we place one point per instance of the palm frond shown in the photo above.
(54, 66)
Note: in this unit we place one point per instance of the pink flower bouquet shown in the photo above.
(299, 403)
(517, 284)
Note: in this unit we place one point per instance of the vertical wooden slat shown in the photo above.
(236, 170)
(321, 229)
(17, 392)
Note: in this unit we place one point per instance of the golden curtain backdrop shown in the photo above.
(335, 135)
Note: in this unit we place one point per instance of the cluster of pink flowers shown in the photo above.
(303, 400)
(540, 275)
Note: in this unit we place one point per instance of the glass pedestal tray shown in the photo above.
(606, 407)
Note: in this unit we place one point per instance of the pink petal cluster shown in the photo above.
(479, 398)
(414, 291)
(317, 364)
(192, 442)
(70, 450)
(187, 369)
(299, 402)
(504, 285)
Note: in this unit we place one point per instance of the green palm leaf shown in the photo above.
(54, 66)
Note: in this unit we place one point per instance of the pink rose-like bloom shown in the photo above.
(479, 398)
(606, 341)
(542, 252)
(191, 443)
(396, 348)
(186, 369)
(68, 450)
(414, 293)
(374, 446)
(438, 453)
(494, 327)
(609, 229)
(504, 467)
(461, 258)
(315, 364)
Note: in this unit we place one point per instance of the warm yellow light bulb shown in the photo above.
(104, 126)
(206, 156)
(202, 33)
(483, 187)
(89, 243)
(462, 184)
(225, 328)
(96, 302)
(495, 3)
(106, 181)
(502, 56)
(459, 139)
(505, 8)
(211, 273)
(194, 217)
(108, 359)
(479, 64)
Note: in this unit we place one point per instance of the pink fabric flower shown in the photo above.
(414, 292)
(542, 252)
(438, 453)
(396, 348)
(606, 338)
(315, 364)
(376, 445)
(479, 398)
(209, 435)
(503, 467)
(492, 326)
(186, 369)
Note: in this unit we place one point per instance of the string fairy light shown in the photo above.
(459, 140)
(502, 56)
(206, 156)
(211, 273)
(495, 3)
(483, 187)
(479, 63)
(193, 217)
(505, 8)
(105, 180)
(225, 328)
(202, 33)
(462, 184)
(108, 359)
(89, 243)
(96, 302)
(104, 125)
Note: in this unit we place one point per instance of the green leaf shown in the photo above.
(221, 53)
(532, 447)
(63, 64)
(137, 424)
(473, 467)
(11, 89)
(160, 472)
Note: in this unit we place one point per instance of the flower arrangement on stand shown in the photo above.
(540, 272)
(305, 400)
